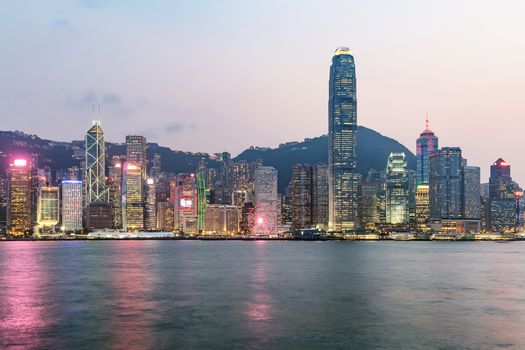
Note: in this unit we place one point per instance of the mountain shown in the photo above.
(373, 151)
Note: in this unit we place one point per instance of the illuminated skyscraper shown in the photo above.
(426, 144)
(368, 204)
(72, 205)
(397, 189)
(501, 196)
(115, 175)
(133, 209)
(48, 212)
(422, 207)
(342, 132)
(151, 205)
(95, 163)
(472, 189)
(446, 184)
(19, 209)
(320, 195)
(302, 193)
(137, 152)
(186, 204)
(266, 207)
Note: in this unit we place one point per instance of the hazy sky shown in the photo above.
(225, 75)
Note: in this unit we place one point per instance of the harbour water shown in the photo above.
(262, 295)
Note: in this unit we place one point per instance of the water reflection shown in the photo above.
(133, 305)
(259, 309)
(25, 300)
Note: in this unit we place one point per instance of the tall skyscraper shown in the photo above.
(115, 176)
(426, 144)
(446, 184)
(422, 207)
(95, 164)
(151, 205)
(397, 189)
(502, 201)
(368, 213)
(342, 134)
(302, 193)
(19, 208)
(320, 195)
(266, 207)
(472, 192)
(72, 205)
(48, 212)
(133, 209)
(186, 204)
(137, 152)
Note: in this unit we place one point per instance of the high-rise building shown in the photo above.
(95, 164)
(368, 213)
(133, 208)
(72, 205)
(48, 210)
(422, 207)
(115, 176)
(151, 205)
(472, 193)
(186, 204)
(502, 199)
(446, 184)
(342, 135)
(397, 189)
(426, 144)
(221, 218)
(266, 207)
(19, 208)
(302, 193)
(320, 195)
(137, 152)
(156, 169)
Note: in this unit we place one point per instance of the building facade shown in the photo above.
(133, 207)
(19, 206)
(95, 165)
(426, 144)
(266, 206)
(397, 189)
(72, 205)
(342, 141)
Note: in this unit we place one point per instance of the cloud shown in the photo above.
(169, 129)
(62, 25)
(109, 101)
(93, 3)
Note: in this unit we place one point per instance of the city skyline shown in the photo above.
(400, 76)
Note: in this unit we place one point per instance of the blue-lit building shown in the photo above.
(426, 144)
(342, 131)
(446, 184)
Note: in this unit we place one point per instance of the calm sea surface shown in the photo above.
(262, 295)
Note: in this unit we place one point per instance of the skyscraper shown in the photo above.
(72, 205)
(95, 164)
(133, 209)
(151, 205)
(266, 208)
(115, 175)
(186, 204)
(342, 135)
(502, 203)
(426, 144)
(48, 212)
(302, 193)
(19, 208)
(472, 190)
(137, 152)
(446, 184)
(320, 195)
(397, 189)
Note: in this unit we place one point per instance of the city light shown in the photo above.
(260, 221)
(20, 162)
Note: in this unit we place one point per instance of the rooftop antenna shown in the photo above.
(426, 122)
(99, 113)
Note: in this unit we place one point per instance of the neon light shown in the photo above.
(20, 162)
(150, 181)
(132, 167)
(260, 221)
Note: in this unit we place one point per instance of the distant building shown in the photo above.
(137, 152)
(115, 190)
(472, 192)
(426, 144)
(95, 165)
(266, 210)
(368, 204)
(151, 205)
(221, 218)
(422, 207)
(397, 189)
(342, 135)
(48, 212)
(446, 184)
(320, 195)
(502, 198)
(19, 208)
(186, 209)
(72, 205)
(302, 193)
(133, 208)
(98, 216)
